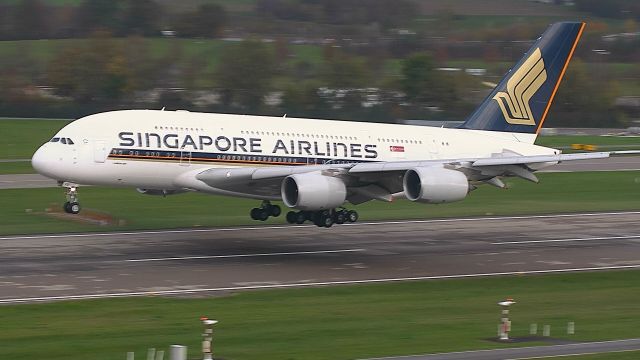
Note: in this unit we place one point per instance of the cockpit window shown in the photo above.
(63, 140)
(69, 141)
(55, 139)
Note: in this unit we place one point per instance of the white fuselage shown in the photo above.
(154, 149)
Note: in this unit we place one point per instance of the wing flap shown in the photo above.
(522, 160)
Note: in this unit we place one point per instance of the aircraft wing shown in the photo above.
(383, 180)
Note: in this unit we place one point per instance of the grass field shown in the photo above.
(16, 167)
(557, 192)
(21, 138)
(344, 322)
(603, 142)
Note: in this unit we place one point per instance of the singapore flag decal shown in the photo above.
(396, 148)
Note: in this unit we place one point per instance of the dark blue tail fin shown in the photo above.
(521, 101)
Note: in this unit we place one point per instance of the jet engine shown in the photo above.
(435, 185)
(313, 191)
(159, 192)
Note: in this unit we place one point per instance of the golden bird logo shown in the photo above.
(520, 88)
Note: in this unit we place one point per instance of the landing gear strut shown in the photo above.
(323, 218)
(265, 210)
(71, 206)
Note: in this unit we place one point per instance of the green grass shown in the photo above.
(22, 137)
(17, 167)
(343, 322)
(604, 142)
(557, 192)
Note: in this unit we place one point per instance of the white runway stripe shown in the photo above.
(567, 240)
(276, 227)
(244, 255)
(299, 285)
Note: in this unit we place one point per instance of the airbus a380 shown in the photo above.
(316, 166)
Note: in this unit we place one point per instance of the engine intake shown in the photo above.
(435, 185)
(313, 191)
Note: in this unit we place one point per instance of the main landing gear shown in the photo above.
(323, 218)
(71, 206)
(265, 211)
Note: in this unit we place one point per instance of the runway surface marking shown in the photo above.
(309, 284)
(567, 240)
(275, 227)
(524, 348)
(245, 255)
(574, 354)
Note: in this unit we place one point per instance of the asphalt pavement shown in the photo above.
(202, 262)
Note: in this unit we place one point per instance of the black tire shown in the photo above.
(263, 214)
(67, 207)
(308, 215)
(341, 217)
(292, 217)
(255, 214)
(275, 210)
(327, 220)
(74, 208)
(352, 216)
(301, 217)
(316, 218)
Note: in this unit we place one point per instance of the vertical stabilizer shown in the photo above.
(521, 101)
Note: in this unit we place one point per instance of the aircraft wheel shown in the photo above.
(352, 216)
(255, 214)
(263, 214)
(74, 208)
(67, 207)
(291, 217)
(274, 210)
(326, 220)
(301, 217)
(341, 217)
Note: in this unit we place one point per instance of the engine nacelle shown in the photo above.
(313, 191)
(159, 192)
(435, 185)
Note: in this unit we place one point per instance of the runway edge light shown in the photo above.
(505, 323)
(207, 338)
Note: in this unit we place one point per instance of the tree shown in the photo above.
(206, 21)
(418, 78)
(584, 101)
(245, 72)
(142, 17)
(30, 20)
(94, 70)
(94, 15)
(342, 71)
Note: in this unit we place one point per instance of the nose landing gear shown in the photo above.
(71, 206)
(265, 210)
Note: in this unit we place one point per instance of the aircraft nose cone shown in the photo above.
(42, 162)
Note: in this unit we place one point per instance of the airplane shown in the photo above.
(316, 166)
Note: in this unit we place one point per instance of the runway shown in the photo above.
(203, 262)
(537, 352)
(627, 163)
